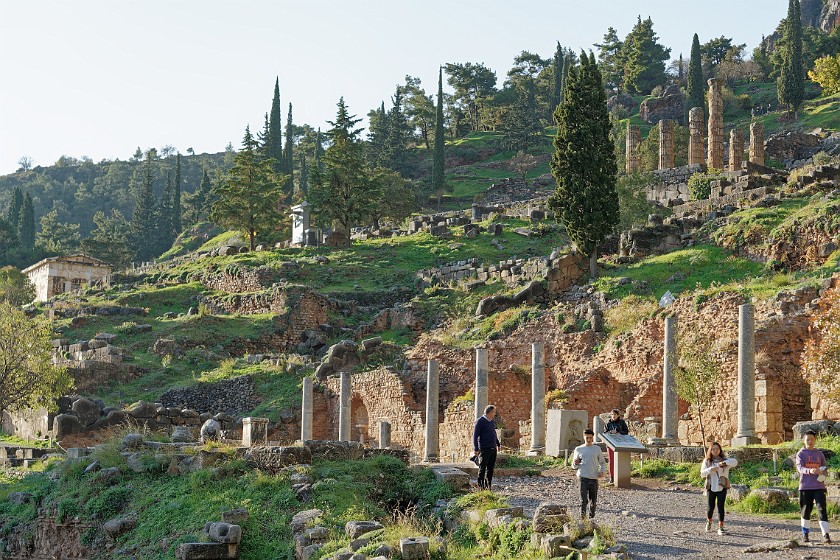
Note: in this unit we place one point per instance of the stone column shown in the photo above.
(384, 434)
(432, 399)
(695, 136)
(634, 138)
(598, 426)
(537, 400)
(746, 376)
(736, 149)
(715, 139)
(254, 431)
(670, 412)
(481, 382)
(666, 144)
(306, 410)
(344, 407)
(757, 143)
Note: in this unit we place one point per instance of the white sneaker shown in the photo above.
(721, 531)
(708, 526)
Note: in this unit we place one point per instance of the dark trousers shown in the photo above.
(720, 498)
(486, 465)
(807, 498)
(588, 495)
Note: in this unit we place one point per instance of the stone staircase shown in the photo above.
(19, 456)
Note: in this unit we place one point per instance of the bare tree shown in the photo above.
(521, 164)
(25, 163)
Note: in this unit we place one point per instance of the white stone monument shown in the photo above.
(300, 222)
(565, 430)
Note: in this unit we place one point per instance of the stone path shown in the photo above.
(658, 521)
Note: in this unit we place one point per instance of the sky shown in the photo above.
(100, 78)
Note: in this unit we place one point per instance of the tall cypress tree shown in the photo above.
(558, 66)
(176, 198)
(142, 219)
(583, 162)
(438, 178)
(696, 87)
(26, 225)
(303, 178)
(15, 207)
(289, 162)
(164, 222)
(791, 84)
(274, 143)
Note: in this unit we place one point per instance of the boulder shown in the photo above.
(66, 424)
(301, 519)
(355, 529)
(550, 545)
(181, 434)
(118, 526)
(549, 518)
(738, 492)
(86, 410)
(224, 533)
(143, 409)
(211, 430)
(131, 441)
(773, 497)
(668, 106)
(414, 548)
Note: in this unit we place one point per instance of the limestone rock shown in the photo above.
(237, 516)
(120, 525)
(181, 434)
(414, 548)
(303, 518)
(223, 533)
(773, 546)
(86, 410)
(66, 424)
(550, 517)
(668, 106)
(550, 545)
(774, 497)
(131, 441)
(143, 410)
(211, 430)
(355, 529)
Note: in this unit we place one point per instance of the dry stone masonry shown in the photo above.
(695, 137)
(634, 138)
(736, 149)
(666, 144)
(715, 138)
(757, 143)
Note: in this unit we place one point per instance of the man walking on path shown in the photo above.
(588, 461)
(486, 445)
(812, 467)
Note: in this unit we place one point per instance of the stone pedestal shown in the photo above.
(384, 435)
(432, 398)
(670, 411)
(736, 149)
(622, 469)
(598, 426)
(564, 430)
(666, 144)
(696, 147)
(757, 143)
(746, 377)
(634, 138)
(344, 407)
(254, 431)
(481, 382)
(537, 400)
(306, 411)
(715, 138)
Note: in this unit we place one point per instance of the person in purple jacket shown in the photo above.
(486, 445)
(812, 466)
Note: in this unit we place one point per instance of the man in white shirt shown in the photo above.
(588, 461)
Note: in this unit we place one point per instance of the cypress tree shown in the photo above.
(15, 207)
(558, 65)
(696, 87)
(791, 84)
(289, 162)
(583, 162)
(274, 144)
(438, 179)
(26, 225)
(176, 198)
(142, 219)
(303, 178)
(164, 221)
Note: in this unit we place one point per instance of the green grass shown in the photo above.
(755, 225)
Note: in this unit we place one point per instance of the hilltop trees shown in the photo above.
(583, 162)
(28, 378)
(473, 84)
(142, 219)
(110, 241)
(611, 59)
(644, 58)
(791, 82)
(26, 225)
(249, 197)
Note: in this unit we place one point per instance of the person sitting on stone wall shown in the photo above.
(616, 425)
(486, 445)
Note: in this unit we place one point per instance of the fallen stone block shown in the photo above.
(414, 548)
(456, 479)
(355, 529)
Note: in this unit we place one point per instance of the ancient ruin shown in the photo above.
(757, 143)
(58, 275)
(714, 158)
(696, 139)
(666, 144)
(736, 149)
(634, 138)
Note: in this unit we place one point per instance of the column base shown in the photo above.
(431, 459)
(740, 441)
(536, 452)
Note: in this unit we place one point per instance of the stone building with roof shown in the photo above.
(58, 275)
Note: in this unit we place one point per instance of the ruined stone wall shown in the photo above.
(239, 279)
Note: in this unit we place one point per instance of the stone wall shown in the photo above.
(231, 396)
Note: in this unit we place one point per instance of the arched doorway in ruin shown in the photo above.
(358, 419)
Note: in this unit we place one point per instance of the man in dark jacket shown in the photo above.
(616, 425)
(486, 445)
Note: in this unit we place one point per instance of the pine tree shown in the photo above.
(397, 135)
(110, 240)
(15, 208)
(644, 58)
(142, 219)
(584, 164)
(55, 237)
(247, 199)
(289, 162)
(610, 58)
(438, 177)
(377, 136)
(164, 234)
(176, 198)
(696, 87)
(521, 126)
(274, 141)
(791, 83)
(26, 225)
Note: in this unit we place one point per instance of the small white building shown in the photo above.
(302, 234)
(58, 275)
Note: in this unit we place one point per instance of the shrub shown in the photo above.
(700, 185)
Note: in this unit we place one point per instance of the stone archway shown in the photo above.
(359, 422)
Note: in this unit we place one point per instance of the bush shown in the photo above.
(700, 186)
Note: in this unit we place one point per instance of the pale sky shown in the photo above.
(99, 78)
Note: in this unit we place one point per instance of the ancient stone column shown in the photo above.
(432, 399)
(757, 143)
(481, 381)
(344, 407)
(634, 138)
(736, 149)
(537, 400)
(306, 410)
(666, 144)
(598, 426)
(695, 137)
(746, 376)
(384, 434)
(715, 138)
(254, 431)
(670, 413)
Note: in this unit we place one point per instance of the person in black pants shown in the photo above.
(486, 444)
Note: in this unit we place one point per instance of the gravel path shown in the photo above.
(658, 521)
